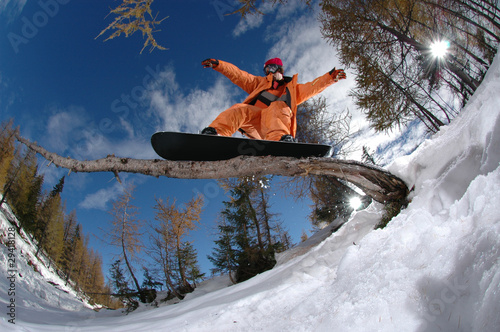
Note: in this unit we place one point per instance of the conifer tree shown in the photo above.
(43, 215)
(331, 199)
(125, 232)
(23, 189)
(389, 44)
(73, 247)
(7, 150)
(148, 281)
(133, 16)
(224, 255)
(50, 223)
(120, 285)
(190, 261)
(246, 243)
(171, 250)
(95, 278)
(161, 252)
(82, 261)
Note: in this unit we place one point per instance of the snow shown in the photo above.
(435, 267)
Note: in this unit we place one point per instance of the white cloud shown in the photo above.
(283, 12)
(11, 8)
(70, 132)
(249, 22)
(189, 112)
(62, 127)
(100, 199)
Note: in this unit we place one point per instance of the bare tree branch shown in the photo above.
(379, 184)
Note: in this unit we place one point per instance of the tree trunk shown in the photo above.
(130, 267)
(379, 184)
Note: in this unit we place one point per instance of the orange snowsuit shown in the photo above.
(254, 118)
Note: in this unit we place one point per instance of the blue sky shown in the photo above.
(85, 98)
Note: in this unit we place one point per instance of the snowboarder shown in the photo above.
(269, 112)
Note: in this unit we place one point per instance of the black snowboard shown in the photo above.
(197, 147)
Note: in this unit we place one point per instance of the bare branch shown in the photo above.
(379, 184)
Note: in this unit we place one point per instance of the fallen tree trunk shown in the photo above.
(379, 184)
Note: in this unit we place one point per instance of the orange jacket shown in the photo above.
(254, 85)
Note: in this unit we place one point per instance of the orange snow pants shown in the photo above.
(259, 123)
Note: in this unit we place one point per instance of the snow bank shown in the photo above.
(435, 267)
(37, 292)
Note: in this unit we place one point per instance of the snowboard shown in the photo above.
(198, 147)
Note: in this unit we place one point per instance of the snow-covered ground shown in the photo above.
(38, 294)
(435, 267)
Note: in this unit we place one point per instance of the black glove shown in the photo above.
(337, 74)
(210, 63)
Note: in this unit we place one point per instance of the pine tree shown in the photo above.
(246, 243)
(331, 199)
(43, 215)
(148, 281)
(224, 255)
(82, 261)
(190, 261)
(367, 157)
(120, 285)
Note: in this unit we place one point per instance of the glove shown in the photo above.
(338, 74)
(210, 63)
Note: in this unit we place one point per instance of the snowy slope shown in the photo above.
(435, 267)
(39, 294)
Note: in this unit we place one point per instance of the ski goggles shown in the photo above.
(272, 68)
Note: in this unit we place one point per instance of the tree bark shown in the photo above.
(379, 184)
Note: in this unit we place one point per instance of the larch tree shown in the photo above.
(7, 150)
(390, 44)
(23, 189)
(133, 16)
(161, 253)
(170, 246)
(125, 231)
(50, 222)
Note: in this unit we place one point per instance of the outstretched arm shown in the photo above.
(241, 78)
(310, 89)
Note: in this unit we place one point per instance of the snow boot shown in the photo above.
(288, 138)
(209, 131)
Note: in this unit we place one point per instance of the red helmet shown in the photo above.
(274, 61)
(273, 65)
